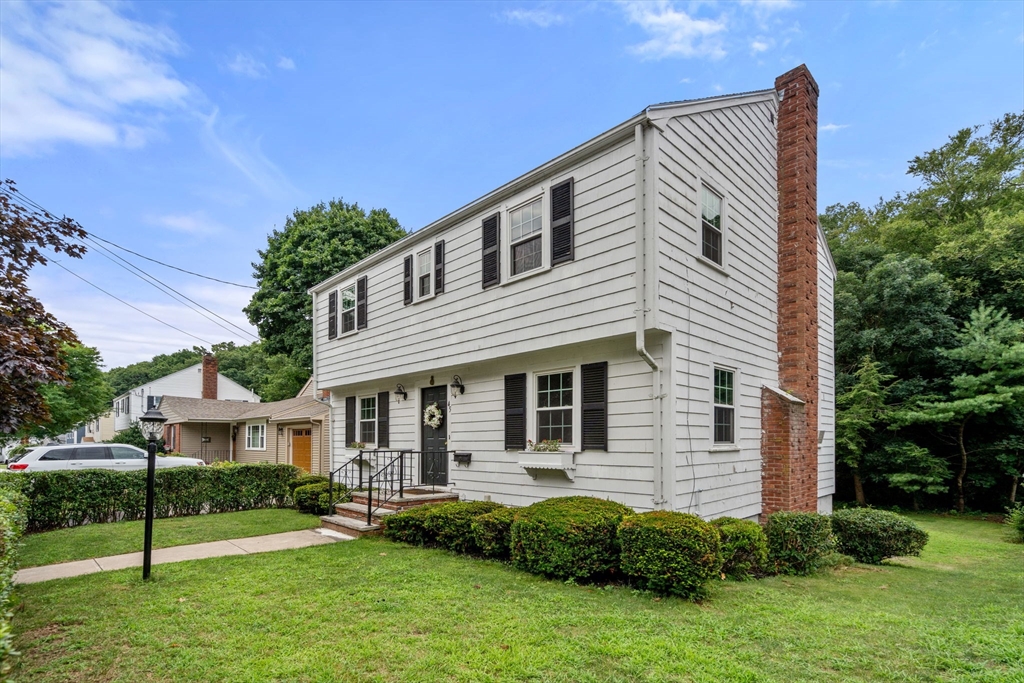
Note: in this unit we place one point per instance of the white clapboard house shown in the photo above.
(658, 299)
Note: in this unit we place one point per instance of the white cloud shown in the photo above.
(760, 45)
(286, 63)
(245, 65)
(81, 73)
(764, 9)
(533, 17)
(244, 153)
(686, 80)
(673, 32)
(196, 223)
(833, 127)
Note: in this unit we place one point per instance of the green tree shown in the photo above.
(133, 437)
(859, 412)
(992, 353)
(83, 397)
(130, 376)
(274, 377)
(314, 244)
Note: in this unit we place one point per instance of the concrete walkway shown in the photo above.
(198, 551)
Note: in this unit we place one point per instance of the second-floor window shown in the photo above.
(348, 309)
(525, 225)
(711, 226)
(424, 270)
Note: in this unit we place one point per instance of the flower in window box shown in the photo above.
(545, 446)
(358, 445)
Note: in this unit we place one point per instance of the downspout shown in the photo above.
(644, 237)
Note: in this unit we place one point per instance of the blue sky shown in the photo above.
(188, 131)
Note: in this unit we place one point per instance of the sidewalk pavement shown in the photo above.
(197, 551)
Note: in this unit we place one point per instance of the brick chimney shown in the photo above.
(209, 376)
(789, 444)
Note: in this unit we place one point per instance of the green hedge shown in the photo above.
(870, 536)
(306, 480)
(451, 526)
(492, 533)
(409, 526)
(568, 538)
(744, 547)
(307, 498)
(13, 522)
(798, 542)
(70, 498)
(670, 552)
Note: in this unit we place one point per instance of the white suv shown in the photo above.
(92, 456)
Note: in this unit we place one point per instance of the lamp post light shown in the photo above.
(152, 426)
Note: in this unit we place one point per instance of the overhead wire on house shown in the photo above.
(171, 292)
(112, 296)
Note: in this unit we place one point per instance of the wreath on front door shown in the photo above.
(432, 416)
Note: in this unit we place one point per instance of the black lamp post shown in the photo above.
(152, 426)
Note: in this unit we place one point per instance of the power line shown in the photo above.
(178, 329)
(167, 289)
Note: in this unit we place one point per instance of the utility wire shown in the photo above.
(171, 292)
(60, 265)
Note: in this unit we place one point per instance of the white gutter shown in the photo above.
(644, 239)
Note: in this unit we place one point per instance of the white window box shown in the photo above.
(562, 461)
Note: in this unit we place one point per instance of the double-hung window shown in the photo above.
(725, 407)
(526, 241)
(368, 420)
(423, 272)
(711, 226)
(554, 407)
(256, 437)
(348, 308)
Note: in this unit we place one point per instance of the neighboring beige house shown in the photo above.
(100, 429)
(288, 431)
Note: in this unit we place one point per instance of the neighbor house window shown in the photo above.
(368, 420)
(525, 237)
(256, 437)
(711, 226)
(554, 407)
(423, 273)
(348, 309)
(725, 409)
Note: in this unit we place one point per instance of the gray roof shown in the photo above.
(183, 409)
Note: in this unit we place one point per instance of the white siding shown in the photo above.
(590, 298)
(826, 372)
(719, 316)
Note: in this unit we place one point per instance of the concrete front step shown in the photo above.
(358, 511)
(349, 526)
(410, 500)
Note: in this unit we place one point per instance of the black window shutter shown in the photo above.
(491, 262)
(562, 237)
(361, 303)
(439, 267)
(382, 420)
(408, 280)
(332, 315)
(515, 412)
(595, 406)
(350, 420)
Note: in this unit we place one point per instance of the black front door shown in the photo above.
(434, 461)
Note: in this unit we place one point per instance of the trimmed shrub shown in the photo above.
(674, 553)
(451, 526)
(798, 542)
(870, 536)
(492, 532)
(306, 480)
(307, 498)
(66, 498)
(409, 526)
(13, 522)
(744, 547)
(1015, 522)
(568, 538)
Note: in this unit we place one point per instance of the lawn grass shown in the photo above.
(374, 611)
(100, 540)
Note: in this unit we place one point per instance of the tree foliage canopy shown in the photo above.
(314, 244)
(84, 397)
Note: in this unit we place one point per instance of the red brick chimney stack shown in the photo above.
(789, 447)
(209, 376)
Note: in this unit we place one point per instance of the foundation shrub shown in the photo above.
(672, 553)
(870, 536)
(798, 542)
(744, 547)
(306, 480)
(409, 526)
(451, 526)
(491, 533)
(308, 498)
(568, 538)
